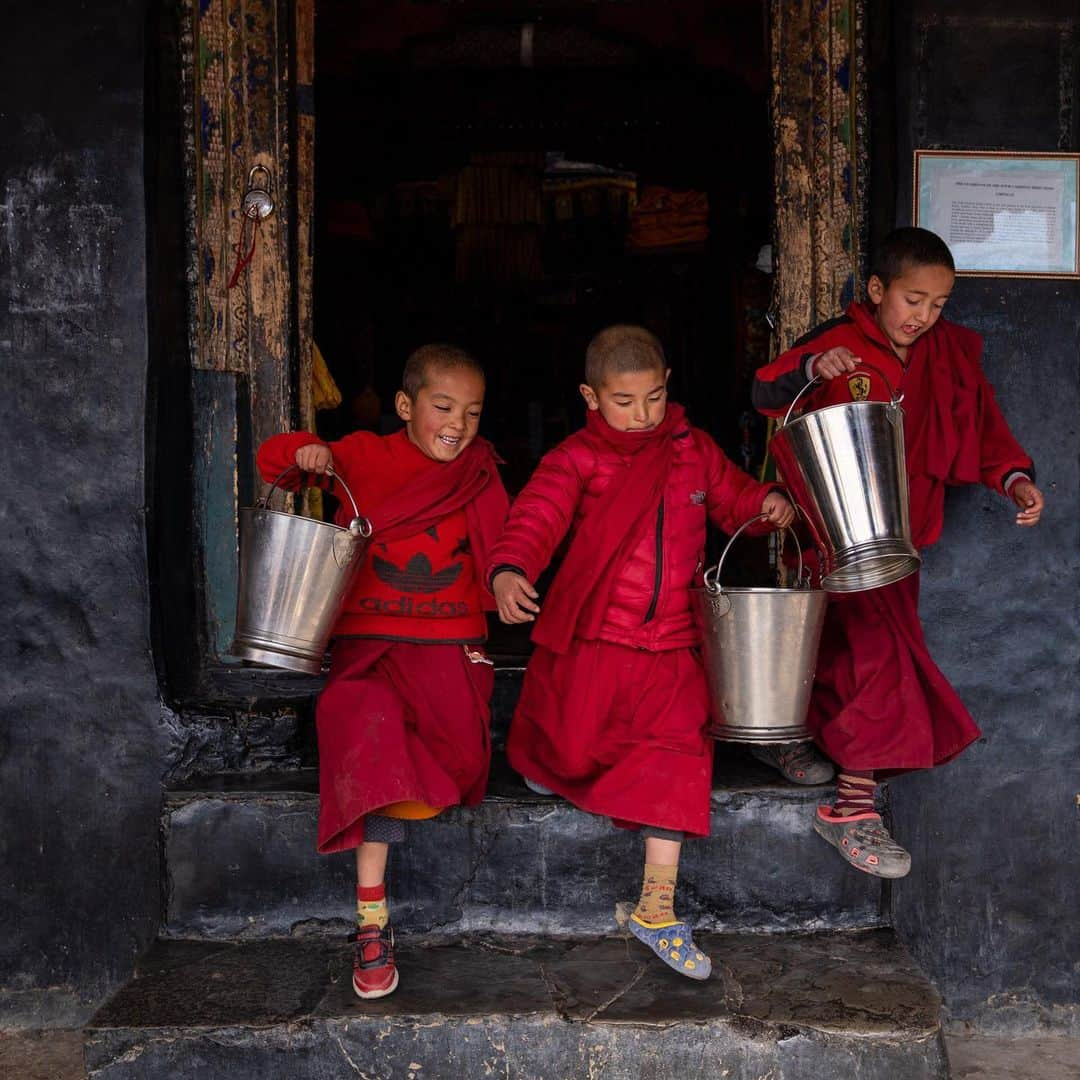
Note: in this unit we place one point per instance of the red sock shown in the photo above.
(854, 793)
(374, 892)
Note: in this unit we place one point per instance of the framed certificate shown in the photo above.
(1002, 214)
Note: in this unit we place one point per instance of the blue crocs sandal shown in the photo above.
(674, 944)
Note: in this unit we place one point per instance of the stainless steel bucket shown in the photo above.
(844, 465)
(760, 651)
(294, 575)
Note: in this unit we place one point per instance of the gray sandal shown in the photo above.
(797, 762)
(864, 842)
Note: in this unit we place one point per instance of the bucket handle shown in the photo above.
(895, 398)
(712, 575)
(360, 526)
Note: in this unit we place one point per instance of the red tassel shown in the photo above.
(244, 261)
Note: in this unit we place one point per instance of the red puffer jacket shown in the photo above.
(650, 600)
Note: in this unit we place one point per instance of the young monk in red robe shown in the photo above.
(614, 708)
(403, 723)
(880, 704)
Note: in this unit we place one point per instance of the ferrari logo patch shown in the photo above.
(859, 385)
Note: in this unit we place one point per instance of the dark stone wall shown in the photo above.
(990, 907)
(84, 740)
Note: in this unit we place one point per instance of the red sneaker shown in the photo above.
(374, 972)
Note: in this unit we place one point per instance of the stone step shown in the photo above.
(241, 863)
(839, 1005)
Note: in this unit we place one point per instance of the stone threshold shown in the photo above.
(839, 1004)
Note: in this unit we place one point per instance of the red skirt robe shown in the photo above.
(399, 722)
(618, 731)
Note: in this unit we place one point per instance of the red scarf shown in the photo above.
(578, 598)
(471, 481)
(943, 411)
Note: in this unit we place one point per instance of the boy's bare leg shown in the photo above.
(662, 852)
(371, 864)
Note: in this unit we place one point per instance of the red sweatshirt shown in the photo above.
(954, 431)
(421, 587)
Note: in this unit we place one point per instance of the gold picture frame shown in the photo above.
(1002, 213)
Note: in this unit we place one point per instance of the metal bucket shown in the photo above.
(760, 650)
(844, 465)
(294, 575)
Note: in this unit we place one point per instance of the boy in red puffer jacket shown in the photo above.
(614, 708)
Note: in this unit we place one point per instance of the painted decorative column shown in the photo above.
(820, 143)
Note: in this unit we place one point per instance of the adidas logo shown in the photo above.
(417, 576)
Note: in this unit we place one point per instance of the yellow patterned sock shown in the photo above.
(657, 904)
(371, 906)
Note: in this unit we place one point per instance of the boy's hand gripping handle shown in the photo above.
(359, 525)
(895, 398)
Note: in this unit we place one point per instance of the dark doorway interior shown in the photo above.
(486, 181)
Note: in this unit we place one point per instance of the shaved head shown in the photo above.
(621, 350)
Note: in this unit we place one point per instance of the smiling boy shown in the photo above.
(614, 709)
(880, 704)
(403, 721)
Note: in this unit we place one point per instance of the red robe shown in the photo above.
(880, 702)
(614, 710)
(405, 716)
(400, 723)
